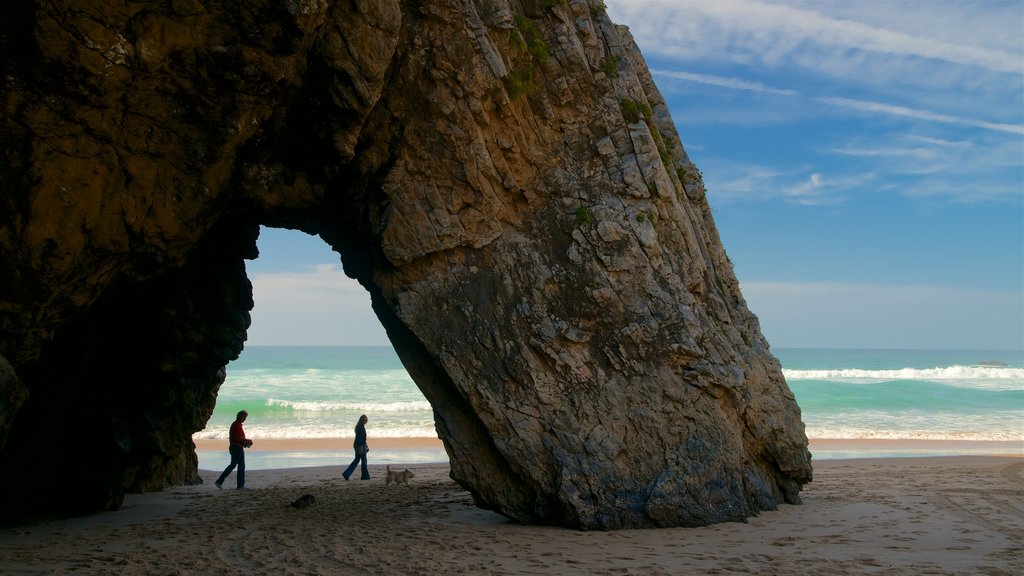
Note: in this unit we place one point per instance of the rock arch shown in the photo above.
(503, 177)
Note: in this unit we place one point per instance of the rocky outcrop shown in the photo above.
(503, 177)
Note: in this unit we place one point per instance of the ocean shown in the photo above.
(299, 392)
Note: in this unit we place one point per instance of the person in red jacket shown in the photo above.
(237, 442)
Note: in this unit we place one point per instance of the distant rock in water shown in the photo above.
(993, 364)
(505, 180)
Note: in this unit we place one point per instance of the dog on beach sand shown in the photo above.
(304, 501)
(398, 477)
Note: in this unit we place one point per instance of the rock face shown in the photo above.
(503, 177)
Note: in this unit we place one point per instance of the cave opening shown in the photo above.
(315, 359)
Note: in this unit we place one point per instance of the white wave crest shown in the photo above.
(1013, 377)
(846, 433)
(368, 407)
(293, 432)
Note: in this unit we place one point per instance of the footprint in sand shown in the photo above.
(998, 509)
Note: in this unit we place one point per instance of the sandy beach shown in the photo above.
(889, 516)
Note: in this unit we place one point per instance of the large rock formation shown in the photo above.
(502, 176)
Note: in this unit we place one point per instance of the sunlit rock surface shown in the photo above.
(505, 180)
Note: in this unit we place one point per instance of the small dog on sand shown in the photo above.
(398, 477)
(304, 501)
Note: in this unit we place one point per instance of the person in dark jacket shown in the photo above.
(237, 442)
(361, 449)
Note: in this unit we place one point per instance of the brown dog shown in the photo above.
(398, 477)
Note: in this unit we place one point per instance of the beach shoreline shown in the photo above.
(284, 453)
(949, 515)
(873, 447)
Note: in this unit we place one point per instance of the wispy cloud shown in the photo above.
(985, 168)
(921, 54)
(895, 110)
(960, 192)
(737, 181)
(803, 186)
(903, 153)
(721, 81)
(775, 33)
(852, 35)
(948, 76)
(818, 190)
(886, 152)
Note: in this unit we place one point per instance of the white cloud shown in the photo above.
(920, 52)
(902, 153)
(773, 33)
(742, 181)
(804, 186)
(876, 316)
(907, 164)
(922, 153)
(894, 110)
(968, 171)
(807, 192)
(991, 24)
(734, 83)
(320, 306)
(817, 190)
(904, 148)
(970, 192)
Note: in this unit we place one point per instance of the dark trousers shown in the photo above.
(237, 459)
(360, 457)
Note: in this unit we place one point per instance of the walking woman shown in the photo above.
(361, 449)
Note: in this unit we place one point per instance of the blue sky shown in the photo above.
(864, 163)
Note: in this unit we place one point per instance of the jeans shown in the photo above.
(360, 457)
(237, 459)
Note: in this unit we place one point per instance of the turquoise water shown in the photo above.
(320, 392)
(919, 394)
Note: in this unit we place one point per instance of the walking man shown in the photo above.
(237, 442)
